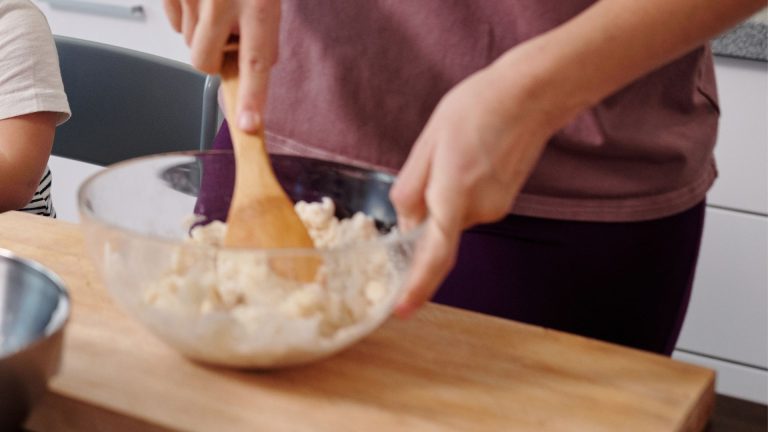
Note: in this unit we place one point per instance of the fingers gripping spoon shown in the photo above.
(261, 215)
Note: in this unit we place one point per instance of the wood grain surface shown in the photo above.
(446, 369)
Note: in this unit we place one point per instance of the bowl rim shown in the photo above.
(387, 239)
(63, 308)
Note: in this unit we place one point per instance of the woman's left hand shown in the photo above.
(467, 166)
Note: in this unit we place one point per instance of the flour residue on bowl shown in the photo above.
(246, 314)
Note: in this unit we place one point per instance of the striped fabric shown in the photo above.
(41, 203)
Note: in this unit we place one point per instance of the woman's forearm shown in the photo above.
(574, 66)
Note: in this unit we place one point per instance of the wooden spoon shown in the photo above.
(261, 214)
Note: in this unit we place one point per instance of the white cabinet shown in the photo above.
(727, 314)
(726, 327)
(136, 24)
(742, 147)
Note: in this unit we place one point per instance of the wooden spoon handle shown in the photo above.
(261, 214)
(251, 158)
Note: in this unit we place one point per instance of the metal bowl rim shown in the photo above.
(63, 295)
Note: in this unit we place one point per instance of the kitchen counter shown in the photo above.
(748, 40)
(446, 369)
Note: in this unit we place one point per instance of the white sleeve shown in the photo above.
(30, 79)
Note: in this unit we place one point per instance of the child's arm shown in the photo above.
(25, 144)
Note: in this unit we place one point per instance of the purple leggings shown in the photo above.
(627, 283)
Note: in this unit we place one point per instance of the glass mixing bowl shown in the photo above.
(227, 306)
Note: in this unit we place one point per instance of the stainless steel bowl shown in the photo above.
(34, 308)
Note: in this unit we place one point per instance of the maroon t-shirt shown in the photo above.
(357, 80)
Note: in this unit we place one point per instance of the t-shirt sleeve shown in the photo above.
(30, 79)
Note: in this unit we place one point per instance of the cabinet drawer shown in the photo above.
(742, 143)
(105, 21)
(727, 317)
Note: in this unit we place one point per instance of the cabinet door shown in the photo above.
(136, 24)
(728, 314)
(742, 142)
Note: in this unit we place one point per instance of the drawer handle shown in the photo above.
(135, 12)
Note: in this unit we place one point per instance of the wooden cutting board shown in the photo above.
(444, 370)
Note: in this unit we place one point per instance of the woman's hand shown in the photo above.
(207, 26)
(467, 166)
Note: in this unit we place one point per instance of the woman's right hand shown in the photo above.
(207, 26)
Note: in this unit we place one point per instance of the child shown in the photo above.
(32, 104)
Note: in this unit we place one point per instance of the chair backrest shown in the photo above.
(127, 103)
